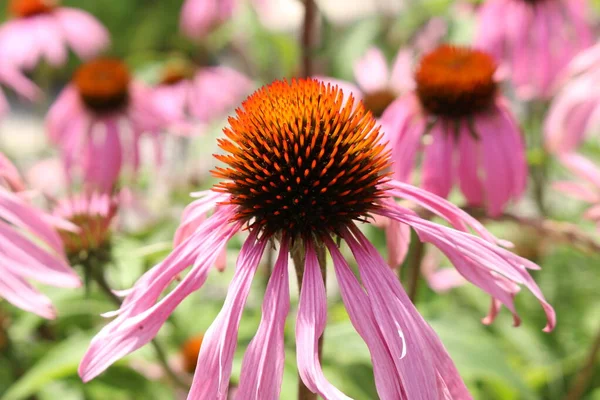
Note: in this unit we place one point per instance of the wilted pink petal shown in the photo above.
(310, 324)
(216, 355)
(262, 368)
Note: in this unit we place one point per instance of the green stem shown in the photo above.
(582, 380)
(417, 251)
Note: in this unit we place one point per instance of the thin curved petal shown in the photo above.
(211, 380)
(310, 324)
(262, 367)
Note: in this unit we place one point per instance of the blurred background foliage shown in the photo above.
(498, 362)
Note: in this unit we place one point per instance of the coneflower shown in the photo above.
(460, 121)
(304, 165)
(97, 121)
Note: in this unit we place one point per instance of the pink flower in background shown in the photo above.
(41, 29)
(462, 125)
(378, 86)
(10, 76)
(575, 111)
(534, 39)
(303, 165)
(92, 214)
(199, 17)
(588, 189)
(186, 95)
(98, 120)
(30, 248)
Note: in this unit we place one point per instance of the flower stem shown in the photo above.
(417, 251)
(582, 379)
(100, 280)
(299, 256)
(556, 230)
(308, 35)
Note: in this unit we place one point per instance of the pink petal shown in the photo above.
(389, 385)
(438, 162)
(262, 368)
(404, 129)
(211, 380)
(582, 167)
(18, 292)
(102, 159)
(10, 175)
(73, 22)
(418, 355)
(493, 269)
(401, 78)
(371, 71)
(469, 167)
(140, 319)
(310, 323)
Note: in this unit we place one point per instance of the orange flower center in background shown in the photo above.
(378, 101)
(94, 234)
(103, 84)
(190, 351)
(176, 72)
(28, 8)
(456, 81)
(302, 160)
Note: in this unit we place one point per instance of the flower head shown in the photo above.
(188, 96)
(534, 39)
(30, 249)
(42, 29)
(464, 127)
(98, 120)
(316, 166)
(302, 150)
(92, 214)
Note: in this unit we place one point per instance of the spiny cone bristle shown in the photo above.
(302, 160)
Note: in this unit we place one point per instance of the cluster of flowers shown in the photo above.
(305, 161)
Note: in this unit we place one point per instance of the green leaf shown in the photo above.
(60, 362)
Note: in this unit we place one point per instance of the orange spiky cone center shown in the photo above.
(28, 8)
(103, 84)
(456, 81)
(301, 160)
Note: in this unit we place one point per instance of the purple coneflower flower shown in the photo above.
(200, 17)
(304, 165)
(41, 29)
(462, 124)
(97, 122)
(30, 248)
(188, 95)
(10, 76)
(534, 39)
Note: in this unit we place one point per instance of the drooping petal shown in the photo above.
(310, 324)
(389, 385)
(418, 355)
(371, 71)
(18, 292)
(495, 270)
(404, 129)
(469, 163)
(73, 22)
(211, 380)
(140, 317)
(102, 159)
(262, 367)
(438, 162)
